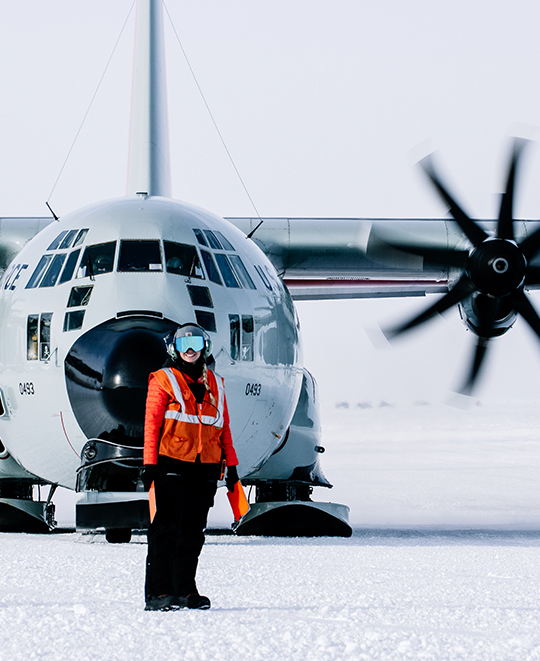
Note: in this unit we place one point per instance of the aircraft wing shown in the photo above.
(339, 258)
(15, 233)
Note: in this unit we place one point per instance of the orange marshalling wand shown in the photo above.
(152, 501)
(238, 501)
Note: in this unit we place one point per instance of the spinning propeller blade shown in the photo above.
(525, 308)
(463, 288)
(505, 226)
(474, 233)
(480, 352)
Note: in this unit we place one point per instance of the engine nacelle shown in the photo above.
(473, 312)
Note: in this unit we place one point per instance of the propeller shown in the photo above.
(494, 271)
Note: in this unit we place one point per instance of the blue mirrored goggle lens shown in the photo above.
(195, 342)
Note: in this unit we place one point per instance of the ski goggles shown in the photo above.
(195, 342)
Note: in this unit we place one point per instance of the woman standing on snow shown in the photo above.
(186, 437)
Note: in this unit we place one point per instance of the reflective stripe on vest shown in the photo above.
(182, 416)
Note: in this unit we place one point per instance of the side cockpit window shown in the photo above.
(39, 271)
(182, 259)
(45, 319)
(81, 236)
(241, 335)
(139, 256)
(38, 336)
(58, 267)
(227, 245)
(200, 237)
(247, 337)
(56, 243)
(97, 259)
(241, 272)
(230, 269)
(212, 239)
(50, 278)
(32, 344)
(67, 239)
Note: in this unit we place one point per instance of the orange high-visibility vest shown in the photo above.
(189, 428)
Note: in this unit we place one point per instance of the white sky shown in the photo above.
(321, 105)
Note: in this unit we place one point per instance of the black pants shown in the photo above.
(184, 493)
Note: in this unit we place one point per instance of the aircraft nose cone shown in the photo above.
(107, 373)
(125, 375)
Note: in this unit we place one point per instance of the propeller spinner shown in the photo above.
(494, 271)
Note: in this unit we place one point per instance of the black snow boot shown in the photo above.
(198, 601)
(163, 603)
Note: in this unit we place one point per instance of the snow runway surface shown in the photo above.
(378, 595)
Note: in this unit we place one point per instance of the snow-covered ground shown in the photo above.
(378, 595)
(444, 562)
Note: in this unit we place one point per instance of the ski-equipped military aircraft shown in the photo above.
(88, 301)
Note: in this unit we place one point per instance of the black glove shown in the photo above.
(232, 477)
(148, 474)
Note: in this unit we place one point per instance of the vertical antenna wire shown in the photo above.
(91, 102)
(215, 123)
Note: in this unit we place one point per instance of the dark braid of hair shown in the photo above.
(206, 385)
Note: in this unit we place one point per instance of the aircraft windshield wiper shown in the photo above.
(90, 268)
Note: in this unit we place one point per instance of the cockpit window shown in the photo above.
(73, 320)
(32, 337)
(206, 320)
(139, 256)
(68, 239)
(79, 296)
(54, 245)
(247, 337)
(81, 236)
(69, 268)
(227, 271)
(211, 268)
(50, 278)
(38, 336)
(212, 240)
(39, 271)
(241, 272)
(200, 296)
(224, 241)
(45, 335)
(241, 344)
(200, 237)
(182, 259)
(265, 280)
(97, 259)
(234, 325)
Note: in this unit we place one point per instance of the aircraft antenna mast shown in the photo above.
(149, 160)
